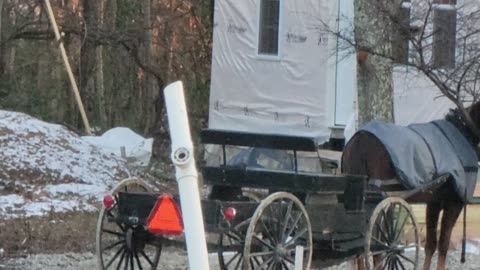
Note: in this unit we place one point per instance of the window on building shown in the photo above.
(269, 25)
(444, 34)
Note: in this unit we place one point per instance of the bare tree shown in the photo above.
(123, 53)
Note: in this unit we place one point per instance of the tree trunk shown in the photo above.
(88, 65)
(102, 113)
(10, 51)
(1, 36)
(110, 21)
(374, 63)
(151, 90)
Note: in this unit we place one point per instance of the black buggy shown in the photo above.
(261, 216)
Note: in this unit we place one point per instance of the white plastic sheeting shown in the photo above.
(416, 99)
(285, 94)
(302, 91)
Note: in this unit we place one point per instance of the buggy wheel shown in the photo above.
(119, 246)
(231, 243)
(230, 247)
(392, 240)
(280, 224)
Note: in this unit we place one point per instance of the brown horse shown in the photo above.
(366, 155)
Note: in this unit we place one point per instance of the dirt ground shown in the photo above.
(172, 259)
(67, 241)
(56, 232)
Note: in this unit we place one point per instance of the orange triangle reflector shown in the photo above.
(165, 217)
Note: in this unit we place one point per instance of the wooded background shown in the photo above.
(123, 53)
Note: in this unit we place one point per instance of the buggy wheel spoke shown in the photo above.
(234, 236)
(265, 263)
(286, 220)
(284, 265)
(274, 222)
(406, 259)
(121, 260)
(125, 267)
(297, 219)
(113, 232)
(397, 219)
(401, 264)
(269, 235)
(233, 259)
(120, 226)
(262, 253)
(113, 245)
(379, 241)
(263, 242)
(382, 233)
(289, 260)
(239, 263)
(132, 263)
(146, 257)
(138, 261)
(399, 231)
(387, 265)
(388, 225)
(115, 256)
(111, 215)
(380, 252)
(296, 236)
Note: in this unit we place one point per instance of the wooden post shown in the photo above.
(67, 66)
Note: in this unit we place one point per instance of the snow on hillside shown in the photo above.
(45, 167)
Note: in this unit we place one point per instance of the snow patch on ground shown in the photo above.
(46, 167)
(138, 150)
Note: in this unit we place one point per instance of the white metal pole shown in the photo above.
(299, 257)
(187, 176)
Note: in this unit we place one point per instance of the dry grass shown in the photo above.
(56, 232)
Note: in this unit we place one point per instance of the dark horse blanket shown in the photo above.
(422, 152)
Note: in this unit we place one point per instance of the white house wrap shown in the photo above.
(284, 93)
(306, 85)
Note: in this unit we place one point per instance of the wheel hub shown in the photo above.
(280, 251)
(397, 250)
(135, 240)
(129, 239)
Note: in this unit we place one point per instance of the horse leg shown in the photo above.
(433, 213)
(450, 215)
(359, 263)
